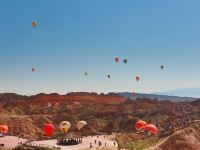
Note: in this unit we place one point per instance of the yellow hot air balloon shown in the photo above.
(65, 126)
(81, 124)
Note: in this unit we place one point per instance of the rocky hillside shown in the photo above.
(104, 113)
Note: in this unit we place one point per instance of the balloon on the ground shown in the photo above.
(81, 124)
(65, 126)
(3, 129)
(49, 129)
(140, 124)
(34, 24)
(151, 128)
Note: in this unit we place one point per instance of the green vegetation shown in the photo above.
(140, 144)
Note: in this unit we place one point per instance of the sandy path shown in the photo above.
(11, 141)
(84, 145)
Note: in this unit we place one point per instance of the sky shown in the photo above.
(77, 36)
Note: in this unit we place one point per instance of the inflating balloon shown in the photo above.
(151, 128)
(140, 124)
(49, 129)
(81, 124)
(65, 126)
(3, 129)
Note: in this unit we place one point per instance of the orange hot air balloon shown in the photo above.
(116, 59)
(151, 128)
(34, 24)
(3, 129)
(140, 124)
(137, 78)
(48, 129)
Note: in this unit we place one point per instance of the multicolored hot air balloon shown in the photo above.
(137, 78)
(116, 59)
(140, 124)
(3, 129)
(125, 61)
(65, 126)
(81, 124)
(151, 128)
(34, 24)
(49, 129)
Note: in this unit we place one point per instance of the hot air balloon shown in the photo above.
(49, 105)
(137, 78)
(49, 129)
(116, 59)
(108, 76)
(3, 129)
(81, 124)
(56, 104)
(134, 93)
(151, 128)
(33, 69)
(162, 67)
(34, 24)
(86, 73)
(65, 126)
(140, 124)
(125, 61)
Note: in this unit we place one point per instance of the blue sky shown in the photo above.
(74, 36)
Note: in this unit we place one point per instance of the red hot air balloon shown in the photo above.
(48, 129)
(151, 128)
(116, 59)
(3, 129)
(140, 124)
(137, 78)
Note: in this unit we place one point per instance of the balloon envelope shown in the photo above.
(34, 24)
(81, 124)
(116, 59)
(125, 61)
(49, 129)
(137, 78)
(151, 128)
(65, 126)
(140, 124)
(3, 129)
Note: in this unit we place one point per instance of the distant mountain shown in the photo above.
(157, 96)
(191, 92)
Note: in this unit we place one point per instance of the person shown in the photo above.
(90, 145)
(114, 143)
(95, 141)
(105, 143)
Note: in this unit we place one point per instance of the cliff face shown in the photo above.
(26, 116)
